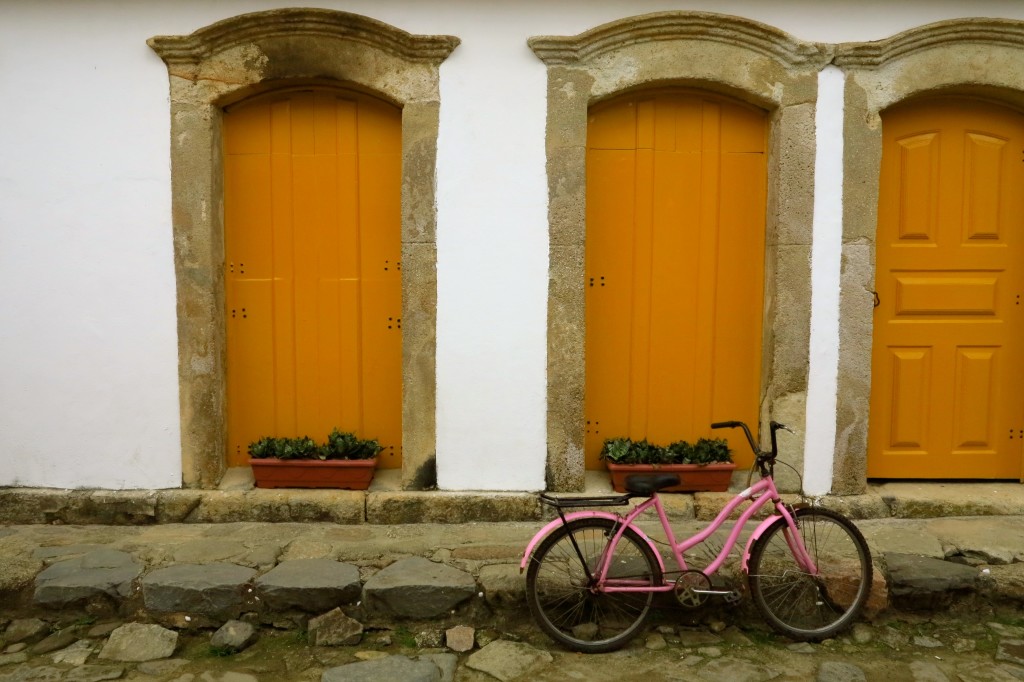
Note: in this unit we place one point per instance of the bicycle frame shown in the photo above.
(760, 494)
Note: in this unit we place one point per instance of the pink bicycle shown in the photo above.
(591, 576)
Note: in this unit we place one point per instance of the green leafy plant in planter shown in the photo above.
(285, 448)
(343, 461)
(704, 451)
(339, 445)
(704, 465)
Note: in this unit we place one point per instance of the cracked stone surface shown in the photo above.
(97, 573)
(213, 590)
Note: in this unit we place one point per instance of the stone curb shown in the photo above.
(391, 507)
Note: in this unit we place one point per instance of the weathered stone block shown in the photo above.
(26, 630)
(389, 668)
(335, 629)
(313, 585)
(922, 582)
(99, 573)
(138, 642)
(417, 588)
(234, 635)
(508, 660)
(214, 590)
(460, 638)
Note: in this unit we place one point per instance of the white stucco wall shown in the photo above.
(88, 350)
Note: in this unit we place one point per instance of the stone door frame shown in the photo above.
(739, 58)
(981, 58)
(253, 53)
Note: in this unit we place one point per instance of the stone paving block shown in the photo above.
(313, 585)
(76, 654)
(58, 640)
(909, 538)
(447, 663)
(99, 573)
(233, 636)
(389, 668)
(26, 630)
(838, 671)
(509, 660)
(334, 628)
(460, 638)
(922, 582)
(214, 590)
(986, 540)
(13, 659)
(417, 588)
(137, 642)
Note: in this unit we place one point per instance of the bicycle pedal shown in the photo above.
(733, 597)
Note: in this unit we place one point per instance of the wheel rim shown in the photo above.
(806, 604)
(565, 599)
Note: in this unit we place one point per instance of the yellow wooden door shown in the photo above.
(312, 196)
(946, 397)
(674, 267)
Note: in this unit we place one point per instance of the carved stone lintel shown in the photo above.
(686, 26)
(955, 32)
(250, 28)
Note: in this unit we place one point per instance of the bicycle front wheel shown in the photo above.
(801, 605)
(569, 606)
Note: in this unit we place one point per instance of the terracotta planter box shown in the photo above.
(353, 474)
(692, 477)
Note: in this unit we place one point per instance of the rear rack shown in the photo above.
(591, 501)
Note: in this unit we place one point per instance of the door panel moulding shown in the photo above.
(744, 60)
(245, 55)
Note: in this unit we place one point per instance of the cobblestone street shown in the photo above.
(978, 647)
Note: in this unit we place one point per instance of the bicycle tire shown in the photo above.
(797, 604)
(561, 601)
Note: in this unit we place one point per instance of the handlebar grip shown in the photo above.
(725, 425)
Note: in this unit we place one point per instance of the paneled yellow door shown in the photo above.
(312, 197)
(947, 396)
(674, 268)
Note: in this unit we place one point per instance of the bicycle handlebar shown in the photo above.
(746, 432)
(759, 457)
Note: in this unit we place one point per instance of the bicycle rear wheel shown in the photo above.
(566, 604)
(804, 606)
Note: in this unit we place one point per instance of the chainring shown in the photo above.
(686, 588)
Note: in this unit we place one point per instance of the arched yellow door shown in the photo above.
(312, 197)
(947, 400)
(674, 267)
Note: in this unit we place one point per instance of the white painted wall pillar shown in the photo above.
(826, 261)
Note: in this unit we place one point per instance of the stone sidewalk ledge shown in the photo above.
(381, 505)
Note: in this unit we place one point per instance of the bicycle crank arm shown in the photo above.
(730, 596)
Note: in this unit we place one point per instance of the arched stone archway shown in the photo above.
(230, 60)
(740, 58)
(973, 57)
